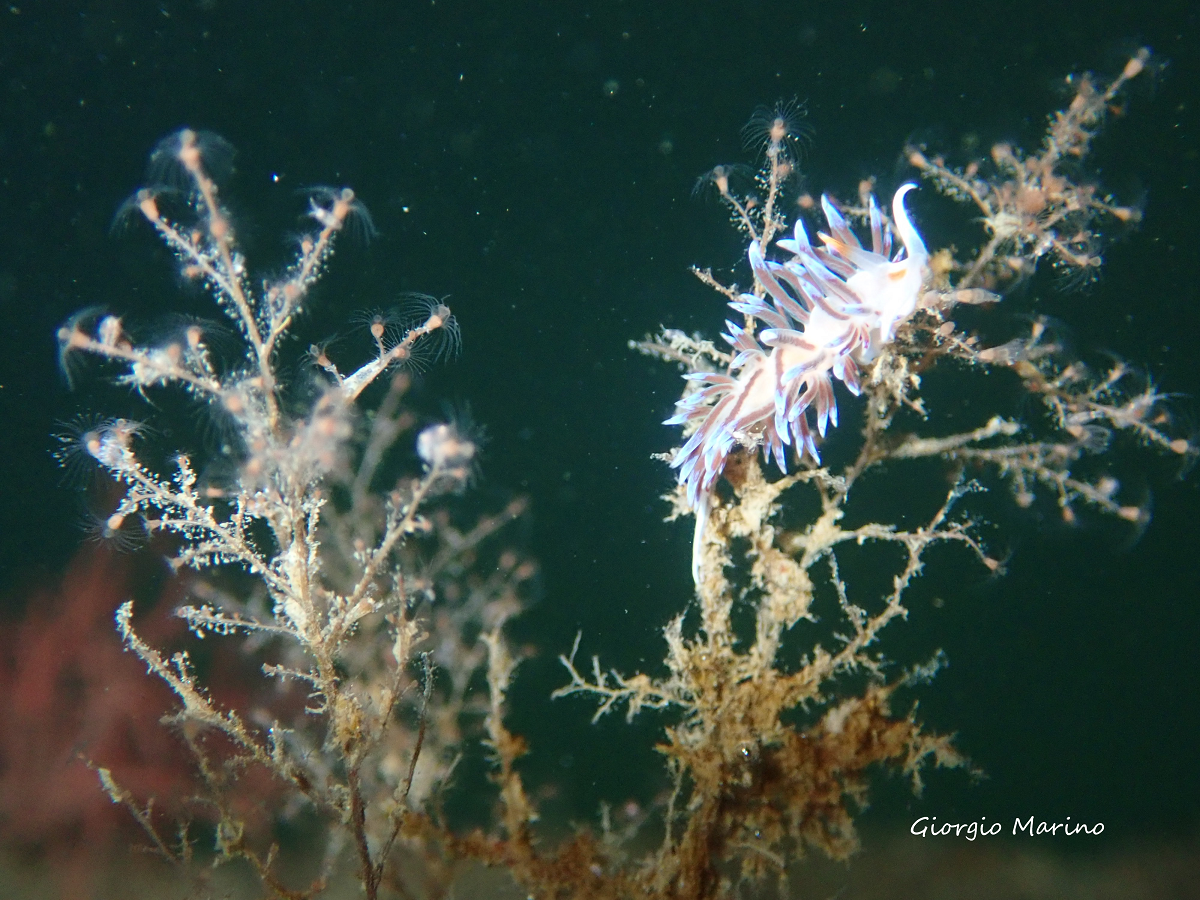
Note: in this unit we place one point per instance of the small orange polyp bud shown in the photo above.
(779, 131)
(73, 338)
(189, 153)
(109, 331)
(720, 177)
(1135, 66)
(1130, 513)
(148, 204)
(342, 207)
(438, 317)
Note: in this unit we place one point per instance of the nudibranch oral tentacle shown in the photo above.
(827, 311)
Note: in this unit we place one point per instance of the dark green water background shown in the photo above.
(534, 161)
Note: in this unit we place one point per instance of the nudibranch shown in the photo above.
(821, 314)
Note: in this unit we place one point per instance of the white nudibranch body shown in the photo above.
(822, 313)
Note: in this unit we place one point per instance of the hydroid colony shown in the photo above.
(363, 589)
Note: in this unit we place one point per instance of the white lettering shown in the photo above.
(1067, 828)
